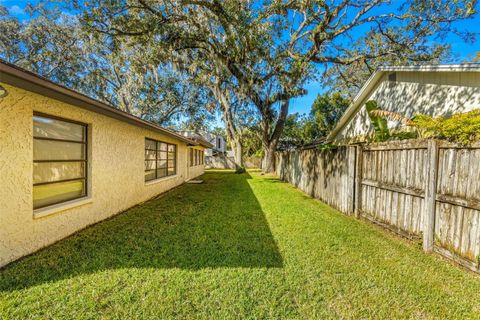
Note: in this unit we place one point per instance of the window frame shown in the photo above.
(85, 144)
(167, 159)
(196, 157)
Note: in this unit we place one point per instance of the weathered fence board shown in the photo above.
(393, 184)
(457, 214)
(418, 188)
(324, 174)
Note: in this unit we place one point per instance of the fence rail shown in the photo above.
(421, 189)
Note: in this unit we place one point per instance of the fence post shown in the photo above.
(430, 195)
(357, 204)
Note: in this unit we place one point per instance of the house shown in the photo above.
(216, 156)
(217, 142)
(68, 161)
(437, 90)
(196, 157)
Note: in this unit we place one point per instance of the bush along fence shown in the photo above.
(425, 190)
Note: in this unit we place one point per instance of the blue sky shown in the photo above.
(461, 51)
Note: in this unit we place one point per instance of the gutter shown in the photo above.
(21, 78)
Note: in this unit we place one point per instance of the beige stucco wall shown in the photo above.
(116, 173)
(195, 171)
(431, 93)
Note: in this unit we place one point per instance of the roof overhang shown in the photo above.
(20, 78)
(204, 143)
(373, 82)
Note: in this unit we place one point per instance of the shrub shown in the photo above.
(380, 124)
(462, 128)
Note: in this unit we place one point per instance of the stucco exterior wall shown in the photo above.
(115, 172)
(195, 171)
(431, 93)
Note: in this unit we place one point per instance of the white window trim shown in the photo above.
(59, 207)
(155, 181)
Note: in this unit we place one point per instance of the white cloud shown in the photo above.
(15, 10)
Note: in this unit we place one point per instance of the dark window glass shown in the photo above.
(160, 159)
(196, 157)
(59, 160)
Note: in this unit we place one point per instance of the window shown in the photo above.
(160, 159)
(196, 157)
(59, 160)
(219, 143)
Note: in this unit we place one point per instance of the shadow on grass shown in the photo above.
(215, 224)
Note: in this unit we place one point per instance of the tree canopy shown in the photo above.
(263, 52)
(253, 57)
(57, 46)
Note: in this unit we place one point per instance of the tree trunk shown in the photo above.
(268, 161)
(233, 133)
(238, 155)
(237, 148)
(270, 142)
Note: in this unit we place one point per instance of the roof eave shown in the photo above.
(352, 109)
(470, 67)
(373, 80)
(18, 77)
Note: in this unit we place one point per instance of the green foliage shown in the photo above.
(403, 135)
(299, 129)
(477, 57)
(462, 128)
(380, 124)
(265, 53)
(327, 146)
(324, 114)
(326, 111)
(59, 47)
(251, 142)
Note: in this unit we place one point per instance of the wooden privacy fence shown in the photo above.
(421, 189)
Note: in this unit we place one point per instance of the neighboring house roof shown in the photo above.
(21, 78)
(197, 138)
(374, 79)
(202, 142)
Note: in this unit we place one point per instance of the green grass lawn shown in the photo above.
(238, 246)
